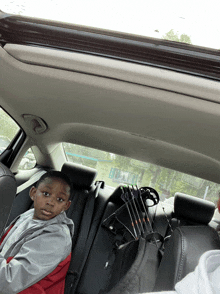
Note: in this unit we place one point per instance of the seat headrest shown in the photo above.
(8, 188)
(116, 196)
(7, 180)
(193, 209)
(81, 177)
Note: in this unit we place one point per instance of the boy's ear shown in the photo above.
(68, 205)
(32, 192)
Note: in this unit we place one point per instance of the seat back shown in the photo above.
(84, 190)
(190, 239)
(115, 255)
(82, 179)
(182, 254)
(96, 274)
(7, 193)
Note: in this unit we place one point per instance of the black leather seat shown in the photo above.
(192, 210)
(7, 194)
(82, 179)
(189, 240)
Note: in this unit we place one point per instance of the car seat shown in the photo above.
(192, 236)
(8, 191)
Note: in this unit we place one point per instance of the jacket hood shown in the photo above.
(59, 219)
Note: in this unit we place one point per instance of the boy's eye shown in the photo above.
(60, 199)
(46, 193)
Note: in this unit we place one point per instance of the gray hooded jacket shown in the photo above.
(38, 246)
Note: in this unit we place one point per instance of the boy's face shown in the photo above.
(50, 198)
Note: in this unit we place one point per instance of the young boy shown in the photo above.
(35, 250)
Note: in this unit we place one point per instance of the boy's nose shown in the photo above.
(50, 201)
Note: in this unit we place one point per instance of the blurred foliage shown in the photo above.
(172, 36)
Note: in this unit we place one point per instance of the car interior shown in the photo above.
(75, 99)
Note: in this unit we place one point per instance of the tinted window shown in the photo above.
(115, 170)
(8, 130)
(28, 161)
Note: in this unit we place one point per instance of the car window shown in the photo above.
(179, 21)
(28, 161)
(8, 130)
(115, 170)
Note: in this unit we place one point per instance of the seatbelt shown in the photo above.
(31, 181)
(81, 249)
(162, 225)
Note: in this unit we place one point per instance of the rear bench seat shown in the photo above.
(98, 266)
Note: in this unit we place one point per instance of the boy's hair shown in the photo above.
(59, 175)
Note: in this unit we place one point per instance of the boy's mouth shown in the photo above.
(46, 212)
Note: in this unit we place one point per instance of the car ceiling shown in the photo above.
(151, 114)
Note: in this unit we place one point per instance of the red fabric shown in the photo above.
(218, 205)
(9, 259)
(2, 239)
(52, 283)
(5, 234)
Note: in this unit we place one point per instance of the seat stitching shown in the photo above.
(180, 268)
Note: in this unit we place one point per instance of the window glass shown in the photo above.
(190, 21)
(28, 161)
(8, 130)
(115, 170)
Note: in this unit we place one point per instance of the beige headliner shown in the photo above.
(147, 113)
